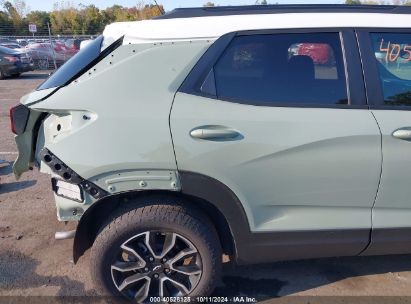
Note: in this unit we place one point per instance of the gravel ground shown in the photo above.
(32, 263)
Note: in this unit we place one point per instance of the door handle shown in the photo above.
(216, 133)
(404, 134)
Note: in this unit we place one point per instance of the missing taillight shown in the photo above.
(13, 129)
(19, 115)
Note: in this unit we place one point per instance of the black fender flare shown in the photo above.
(195, 186)
(247, 247)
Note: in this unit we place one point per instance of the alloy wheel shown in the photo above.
(156, 264)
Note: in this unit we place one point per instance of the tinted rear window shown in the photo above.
(74, 66)
(293, 68)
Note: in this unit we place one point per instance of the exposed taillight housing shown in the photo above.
(19, 115)
(13, 129)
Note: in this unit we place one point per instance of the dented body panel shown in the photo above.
(111, 112)
(85, 122)
(25, 144)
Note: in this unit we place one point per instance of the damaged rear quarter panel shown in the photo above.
(128, 96)
(25, 143)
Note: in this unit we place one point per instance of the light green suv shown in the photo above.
(261, 133)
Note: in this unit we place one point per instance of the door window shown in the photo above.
(266, 69)
(393, 56)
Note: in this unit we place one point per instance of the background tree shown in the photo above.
(65, 19)
(16, 11)
(40, 19)
(402, 2)
(91, 20)
(6, 25)
(396, 2)
(117, 13)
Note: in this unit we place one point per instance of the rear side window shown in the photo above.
(393, 56)
(266, 69)
(74, 66)
(79, 63)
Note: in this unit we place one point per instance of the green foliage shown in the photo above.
(67, 19)
(15, 16)
(38, 18)
(91, 20)
(375, 2)
(5, 23)
(117, 13)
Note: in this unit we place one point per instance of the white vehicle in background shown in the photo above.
(22, 42)
(84, 43)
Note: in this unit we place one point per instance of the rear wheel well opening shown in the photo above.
(219, 221)
(98, 214)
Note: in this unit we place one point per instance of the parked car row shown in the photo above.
(39, 53)
(13, 63)
(44, 54)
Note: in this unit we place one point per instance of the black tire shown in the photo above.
(151, 215)
(2, 74)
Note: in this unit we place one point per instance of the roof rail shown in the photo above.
(283, 9)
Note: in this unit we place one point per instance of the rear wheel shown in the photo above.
(2, 74)
(156, 251)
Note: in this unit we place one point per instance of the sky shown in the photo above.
(47, 5)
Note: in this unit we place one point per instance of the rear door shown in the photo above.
(386, 56)
(280, 118)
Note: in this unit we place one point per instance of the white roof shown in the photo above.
(195, 28)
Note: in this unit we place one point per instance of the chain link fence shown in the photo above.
(45, 52)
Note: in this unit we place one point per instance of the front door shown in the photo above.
(387, 61)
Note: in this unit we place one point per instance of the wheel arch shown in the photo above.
(208, 195)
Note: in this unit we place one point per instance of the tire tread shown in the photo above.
(140, 213)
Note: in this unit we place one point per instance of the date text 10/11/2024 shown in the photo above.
(203, 300)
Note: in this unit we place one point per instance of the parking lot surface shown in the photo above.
(32, 263)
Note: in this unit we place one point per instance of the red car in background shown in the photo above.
(44, 54)
(73, 45)
(320, 53)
